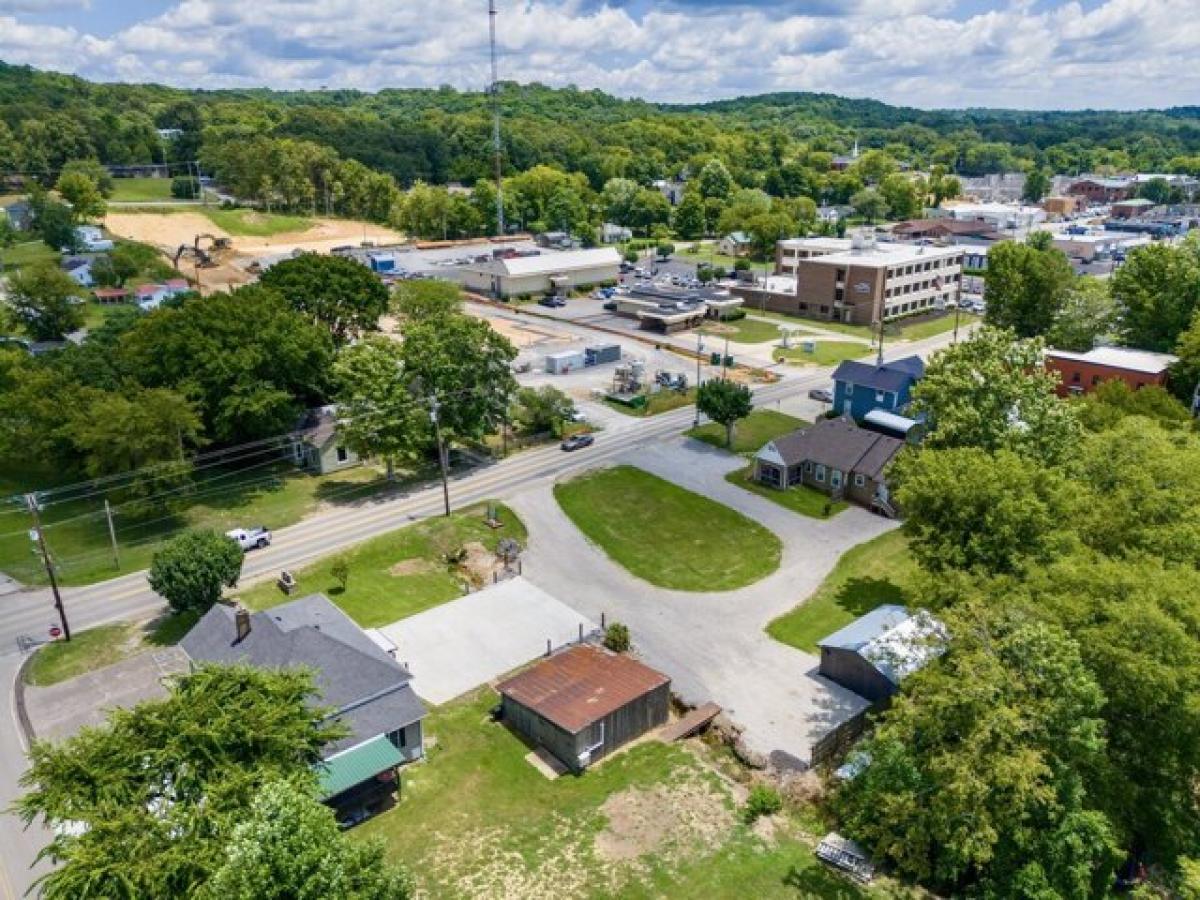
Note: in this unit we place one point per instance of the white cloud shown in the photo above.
(1120, 53)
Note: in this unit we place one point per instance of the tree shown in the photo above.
(1088, 313)
(873, 166)
(192, 569)
(145, 804)
(129, 259)
(185, 187)
(664, 249)
(767, 229)
(380, 415)
(724, 401)
(543, 409)
(688, 218)
(977, 775)
(55, 222)
(335, 291)
(969, 510)
(1114, 401)
(290, 848)
(901, 196)
(993, 392)
(340, 570)
(426, 299)
(44, 299)
(617, 199)
(1037, 186)
(93, 171)
(714, 180)
(1157, 291)
(1185, 373)
(83, 194)
(251, 363)
(465, 365)
(1026, 287)
(869, 204)
(1156, 190)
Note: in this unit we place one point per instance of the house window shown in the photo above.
(398, 738)
(808, 466)
(795, 476)
(342, 455)
(820, 475)
(860, 480)
(835, 479)
(879, 396)
(1075, 378)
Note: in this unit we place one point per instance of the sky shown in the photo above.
(1043, 54)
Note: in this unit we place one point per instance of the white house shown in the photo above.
(80, 270)
(735, 244)
(91, 239)
(614, 234)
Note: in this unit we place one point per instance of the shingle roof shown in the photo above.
(891, 376)
(581, 685)
(368, 688)
(839, 444)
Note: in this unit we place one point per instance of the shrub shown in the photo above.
(733, 315)
(742, 265)
(764, 800)
(616, 638)
(340, 570)
(184, 187)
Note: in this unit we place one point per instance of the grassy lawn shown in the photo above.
(703, 256)
(825, 353)
(252, 223)
(400, 573)
(800, 499)
(139, 190)
(20, 255)
(666, 535)
(102, 646)
(658, 402)
(654, 820)
(877, 572)
(751, 433)
(942, 324)
(77, 533)
(744, 331)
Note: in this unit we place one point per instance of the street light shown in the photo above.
(699, 351)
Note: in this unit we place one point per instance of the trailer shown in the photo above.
(564, 361)
(602, 353)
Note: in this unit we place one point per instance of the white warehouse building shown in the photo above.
(542, 274)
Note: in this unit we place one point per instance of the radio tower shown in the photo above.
(495, 91)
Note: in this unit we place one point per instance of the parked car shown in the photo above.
(825, 395)
(553, 301)
(610, 305)
(250, 538)
(575, 441)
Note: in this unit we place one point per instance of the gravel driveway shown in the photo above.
(712, 644)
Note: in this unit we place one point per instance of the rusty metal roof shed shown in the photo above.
(581, 685)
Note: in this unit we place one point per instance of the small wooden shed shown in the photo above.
(584, 702)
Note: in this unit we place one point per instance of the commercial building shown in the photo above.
(584, 702)
(1001, 216)
(1060, 207)
(1093, 246)
(946, 229)
(1081, 373)
(364, 688)
(1128, 209)
(876, 652)
(859, 280)
(1000, 187)
(544, 273)
(668, 309)
(1101, 189)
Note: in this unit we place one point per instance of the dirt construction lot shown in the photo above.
(168, 231)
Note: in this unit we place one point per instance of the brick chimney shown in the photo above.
(241, 621)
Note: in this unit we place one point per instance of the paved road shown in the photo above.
(30, 613)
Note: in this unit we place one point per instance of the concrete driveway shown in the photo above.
(712, 644)
(457, 646)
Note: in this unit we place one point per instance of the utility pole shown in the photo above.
(699, 351)
(441, 450)
(112, 534)
(496, 149)
(32, 502)
(879, 356)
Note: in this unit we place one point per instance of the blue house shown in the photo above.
(859, 388)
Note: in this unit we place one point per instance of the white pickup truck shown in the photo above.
(250, 538)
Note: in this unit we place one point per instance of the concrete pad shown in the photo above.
(59, 710)
(458, 646)
(546, 763)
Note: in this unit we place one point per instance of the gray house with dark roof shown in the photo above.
(833, 456)
(316, 445)
(860, 388)
(369, 692)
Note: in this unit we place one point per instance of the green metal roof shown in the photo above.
(350, 767)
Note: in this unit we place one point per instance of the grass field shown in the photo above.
(800, 499)
(751, 433)
(141, 190)
(907, 330)
(77, 532)
(825, 353)
(23, 254)
(652, 821)
(400, 573)
(666, 535)
(103, 646)
(743, 331)
(942, 324)
(877, 572)
(658, 402)
(252, 223)
(703, 257)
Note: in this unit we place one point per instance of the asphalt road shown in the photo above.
(28, 614)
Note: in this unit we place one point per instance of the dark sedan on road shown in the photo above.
(575, 441)
(825, 395)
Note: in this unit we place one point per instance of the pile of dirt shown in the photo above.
(479, 564)
(655, 820)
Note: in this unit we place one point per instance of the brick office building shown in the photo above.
(1081, 373)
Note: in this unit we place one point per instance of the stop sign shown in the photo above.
(55, 631)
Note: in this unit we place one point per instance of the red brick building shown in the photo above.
(1081, 373)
